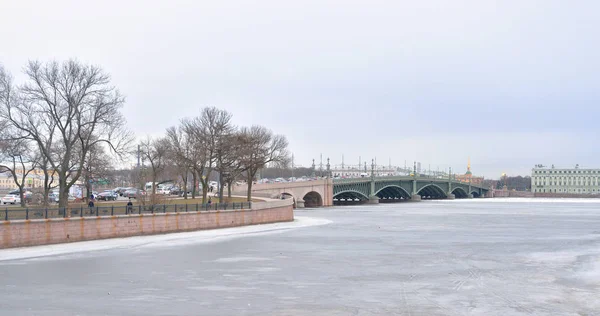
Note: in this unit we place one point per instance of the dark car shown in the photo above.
(107, 196)
(121, 191)
(134, 193)
(175, 191)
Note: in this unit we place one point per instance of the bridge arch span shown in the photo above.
(313, 199)
(431, 191)
(475, 194)
(349, 197)
(392, 192)
(460, 193)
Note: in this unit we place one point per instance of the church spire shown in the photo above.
(469, 166)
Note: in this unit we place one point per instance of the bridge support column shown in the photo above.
(450, 196)
(470, 196)
(415, 198)
(373, 199)
(299, 203)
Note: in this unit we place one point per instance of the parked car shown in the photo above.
(54, 197)
(164, 191)
(175, 191)
(135, 193)
(121, 191)
(11, 199)
(107, 196)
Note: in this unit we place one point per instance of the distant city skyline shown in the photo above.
(509, 84)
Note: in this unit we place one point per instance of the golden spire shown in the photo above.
(468, 168)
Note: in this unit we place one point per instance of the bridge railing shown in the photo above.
(403, 178)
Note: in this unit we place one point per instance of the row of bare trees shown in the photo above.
(60, 120)
(65, 120)
(209, 143)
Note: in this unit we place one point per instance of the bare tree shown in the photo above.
(49, 180)
(66, 108)
(261, 147)
(155, 152)
(97, 165)
(229, 164)
(20, 160)
(207, 131)
(198, 155)
(180, 154)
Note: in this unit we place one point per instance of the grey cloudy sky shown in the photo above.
(508, 83)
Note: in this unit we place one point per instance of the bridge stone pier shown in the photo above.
(304, 193)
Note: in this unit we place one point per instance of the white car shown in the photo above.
(11, 199)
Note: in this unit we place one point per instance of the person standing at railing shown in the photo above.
(129, 208)
(91, 206)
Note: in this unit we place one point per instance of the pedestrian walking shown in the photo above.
(129, 208)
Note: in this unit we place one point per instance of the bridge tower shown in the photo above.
(373, 199)
(470, 196)
(414, 196)
(469, 175)
(450, 196)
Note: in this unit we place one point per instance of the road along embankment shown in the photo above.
(21, 233)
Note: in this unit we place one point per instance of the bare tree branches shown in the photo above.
(180, 154)
(66, 109)
(154, 151)
(69, 113)
(261, 147)
(18, 158)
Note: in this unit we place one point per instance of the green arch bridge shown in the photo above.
(398, 188)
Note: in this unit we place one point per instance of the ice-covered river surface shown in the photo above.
(475, 257)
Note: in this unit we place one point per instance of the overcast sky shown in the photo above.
(508, 83)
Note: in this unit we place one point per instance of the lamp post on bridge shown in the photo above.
(450, 195)
(470, 195)
(373, 199)
(415, 196)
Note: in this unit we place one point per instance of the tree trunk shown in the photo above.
(63, 199)
(220, 188)
(229, 184)
(184, 179)
(204, 193)
(21, 193)
(250, 180)
(194, 179)
(88, 188)
(46, 187)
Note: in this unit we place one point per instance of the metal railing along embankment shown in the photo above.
(83, 211)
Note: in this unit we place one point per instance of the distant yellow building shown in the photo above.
(35, 179)
(468, 176)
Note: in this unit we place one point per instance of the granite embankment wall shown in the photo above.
(502, 193)
(566, 195)
(36, 232)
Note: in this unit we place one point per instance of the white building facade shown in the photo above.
(565, 181)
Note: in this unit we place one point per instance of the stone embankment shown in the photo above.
(21, 233)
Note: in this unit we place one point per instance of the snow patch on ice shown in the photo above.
(589, 271)
(525, 200)
(167, 240)
(241, 259)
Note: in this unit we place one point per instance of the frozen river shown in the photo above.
(475, 257)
